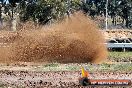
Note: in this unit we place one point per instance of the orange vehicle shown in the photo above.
(85, 81)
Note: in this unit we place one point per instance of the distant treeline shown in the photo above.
(48, 11)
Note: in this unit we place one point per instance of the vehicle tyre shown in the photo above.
(84, 81)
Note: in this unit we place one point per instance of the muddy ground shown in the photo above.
(54, 79)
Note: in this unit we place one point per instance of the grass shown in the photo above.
(121, 67)
(3, 85)
(120, 54)
(51, 65)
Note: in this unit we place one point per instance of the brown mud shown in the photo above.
(76, 39)
(57, 79)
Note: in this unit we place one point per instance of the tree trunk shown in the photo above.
(127, 22)
(115, 21)
(13, 21)
(13, 25)
(1, 17)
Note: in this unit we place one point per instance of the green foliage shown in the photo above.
(47, 11)
(122, 8)
(44, 11)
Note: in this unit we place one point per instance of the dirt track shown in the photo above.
(61, 79)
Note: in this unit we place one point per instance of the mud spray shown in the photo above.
(76, 39)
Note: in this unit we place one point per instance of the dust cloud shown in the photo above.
(75, 39)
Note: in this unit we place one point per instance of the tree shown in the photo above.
(47, 11)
